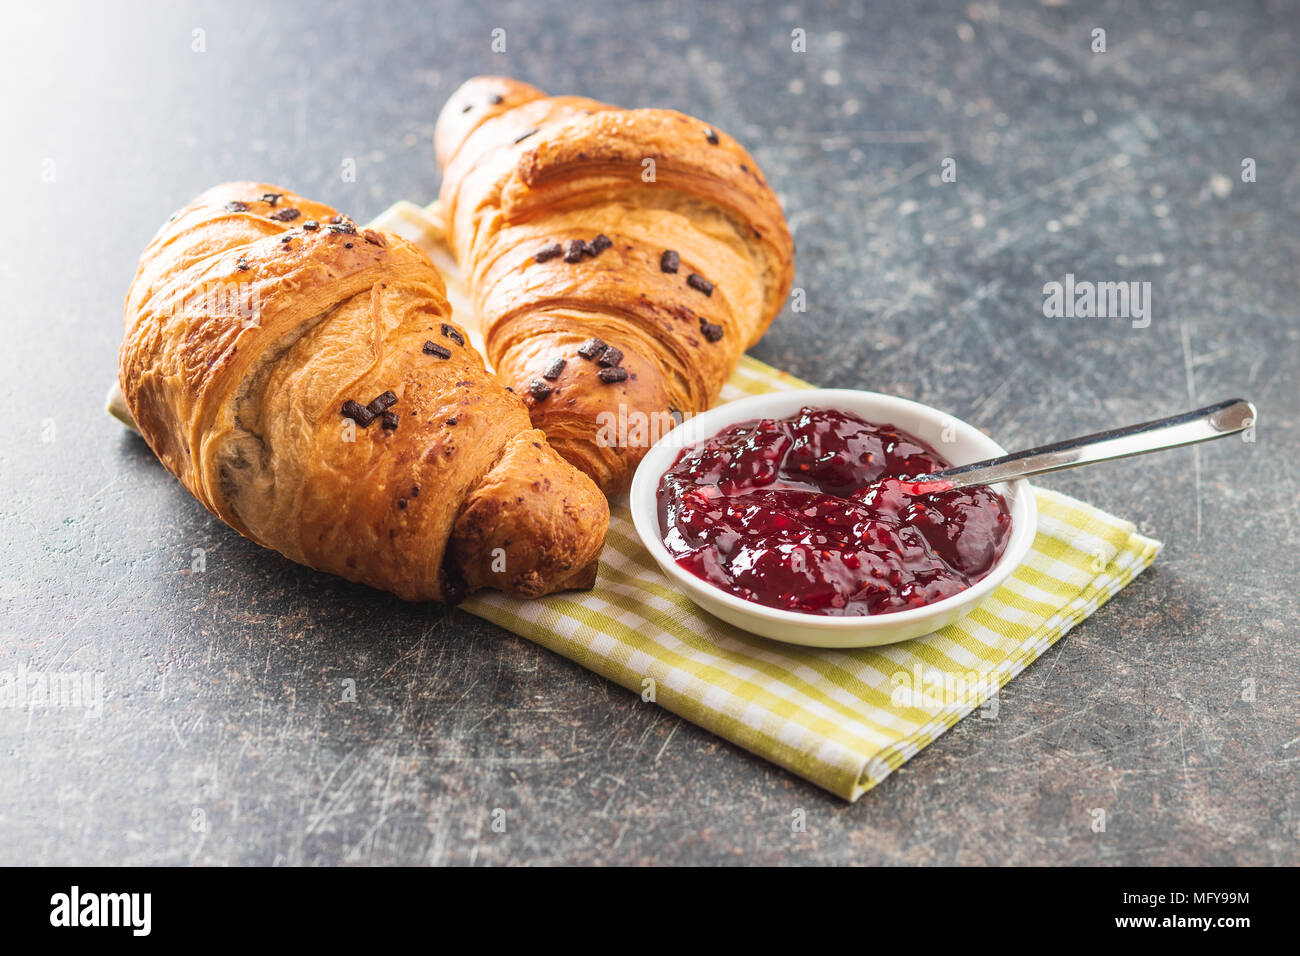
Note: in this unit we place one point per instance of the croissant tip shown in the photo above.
(585, 578)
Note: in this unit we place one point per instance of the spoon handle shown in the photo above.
(1212, 421)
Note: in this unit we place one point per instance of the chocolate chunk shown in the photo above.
(574, 250)
(450, 421)
(548, 253)
(433, 348)
(286, 238)
(554, 369)
(390, 420)
(271, 198)
(697, 281)
(311, 225)
(401, 503)
(710, 330)
(287, 214)
(494, 99)
(381, 402)
(241, 265)
(345, 228)
(347, 245)
(598, 245)
(711, 136)
(467, 107)
(357, 412)
(415, 489)
(610, 357)
(449, 332)
(539, 389)
(669, 261)
(523, 136)
(591, 348)
(236, 206)
(611, 375)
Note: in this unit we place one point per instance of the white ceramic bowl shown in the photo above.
(964, 444)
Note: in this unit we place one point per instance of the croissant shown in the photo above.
(620, 260)
(303, 378)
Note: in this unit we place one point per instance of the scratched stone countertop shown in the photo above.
(225, 734)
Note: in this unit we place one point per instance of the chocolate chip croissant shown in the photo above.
(620, 260)
(303, 379)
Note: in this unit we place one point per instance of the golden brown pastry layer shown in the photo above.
(255, 318)
(646, 230)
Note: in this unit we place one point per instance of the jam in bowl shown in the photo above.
(815, 513)
(793, 515)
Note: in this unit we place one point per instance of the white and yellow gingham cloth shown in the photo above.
(843, 719)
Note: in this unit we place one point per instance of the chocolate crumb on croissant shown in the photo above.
(690, 262)
(247, 360)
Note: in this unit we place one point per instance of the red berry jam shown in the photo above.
(813, 513)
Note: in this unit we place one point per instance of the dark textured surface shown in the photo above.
(223, 689)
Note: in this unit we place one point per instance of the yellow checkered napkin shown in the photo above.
(843, 719)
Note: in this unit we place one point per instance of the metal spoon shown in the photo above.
(1212, 421)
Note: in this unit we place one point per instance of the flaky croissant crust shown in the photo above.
(255, 315)
(523, 171)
